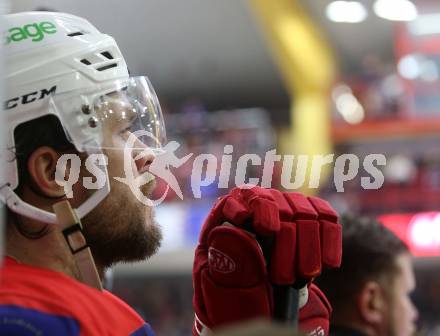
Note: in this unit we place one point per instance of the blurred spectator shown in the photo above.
(370, 293)
(199, 132)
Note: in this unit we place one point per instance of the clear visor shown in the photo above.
(132, 115)
(119, 114)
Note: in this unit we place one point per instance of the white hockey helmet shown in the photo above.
(60, 64)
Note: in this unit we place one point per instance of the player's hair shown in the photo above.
(369, 253)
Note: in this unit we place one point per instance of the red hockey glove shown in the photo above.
(232, 279)
(314, 317)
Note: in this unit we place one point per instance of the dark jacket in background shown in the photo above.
(344, 331)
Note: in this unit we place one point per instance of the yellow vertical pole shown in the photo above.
(308, 68)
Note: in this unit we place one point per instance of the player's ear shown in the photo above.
(371, 303)
(41, 166)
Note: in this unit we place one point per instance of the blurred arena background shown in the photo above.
(304, 77)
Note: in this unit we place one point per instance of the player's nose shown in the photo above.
(143, 163)
(143, 156)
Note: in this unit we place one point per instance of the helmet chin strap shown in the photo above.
(17, 205)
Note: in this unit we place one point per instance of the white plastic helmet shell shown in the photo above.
(47, 55)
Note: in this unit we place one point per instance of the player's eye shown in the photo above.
(127, 129)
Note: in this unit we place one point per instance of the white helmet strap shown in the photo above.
(17, 205)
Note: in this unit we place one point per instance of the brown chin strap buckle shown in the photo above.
(82, 255)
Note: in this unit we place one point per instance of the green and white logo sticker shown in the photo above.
(33, 31)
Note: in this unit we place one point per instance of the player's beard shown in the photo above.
(122, 229)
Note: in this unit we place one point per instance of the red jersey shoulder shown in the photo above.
(98, 313)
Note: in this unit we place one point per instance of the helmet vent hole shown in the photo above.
(75, 34)
(85, 61)
(107, 55)
(106, 67)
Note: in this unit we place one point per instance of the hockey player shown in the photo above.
(69, 95)
(69, 92)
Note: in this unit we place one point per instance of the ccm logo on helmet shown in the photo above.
(29, 97)
(34, 31)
